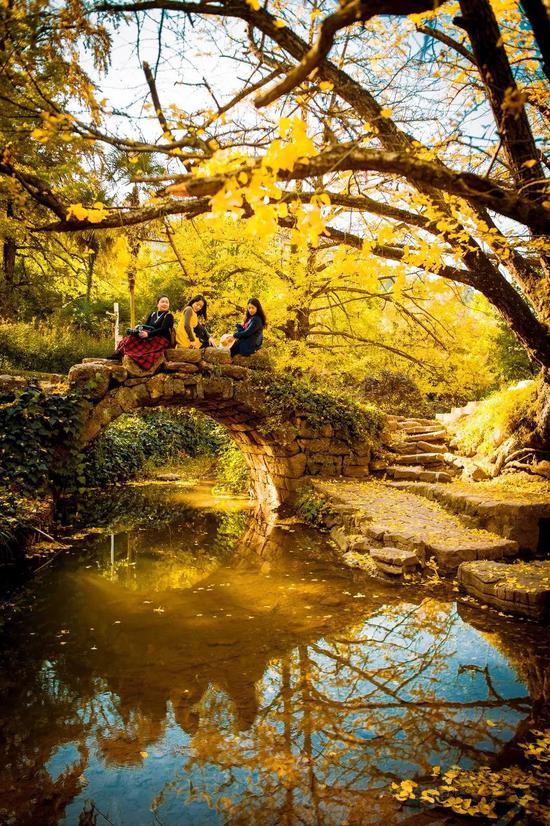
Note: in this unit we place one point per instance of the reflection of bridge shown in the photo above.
(226, 390)
(319, 681)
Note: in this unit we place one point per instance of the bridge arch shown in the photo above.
(224, 389)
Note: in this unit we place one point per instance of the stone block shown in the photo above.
(522, 588)
(394, 561)
(131, 397)
(187, 354)
(181, 367)
(295, 466)
(119, 374)
(217, 388)
(314, 445)
(305, 431)
(395, 556)
(286, 436)
(213, 356)
(410, 473)
(355, 471)
(435, 476)
(91, 379)
(158, 388)
(362, 449)
(178, 387)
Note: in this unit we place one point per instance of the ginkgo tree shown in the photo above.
(418, 140)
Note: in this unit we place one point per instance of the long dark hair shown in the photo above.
(199, 297)
(259, 310)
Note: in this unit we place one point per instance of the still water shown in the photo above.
(183, 666)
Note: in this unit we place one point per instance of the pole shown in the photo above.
(116, 313)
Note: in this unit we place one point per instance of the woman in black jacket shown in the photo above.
(147, 343)
(249, 335)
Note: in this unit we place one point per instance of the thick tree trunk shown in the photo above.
(542, 433)
(513, 126)
(539, 19)
(93, 244)
(9, 253)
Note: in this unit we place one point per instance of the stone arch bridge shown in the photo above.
(227, 390)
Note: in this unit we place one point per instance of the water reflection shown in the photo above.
(244, 679)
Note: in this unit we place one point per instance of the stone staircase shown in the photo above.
(417, 451)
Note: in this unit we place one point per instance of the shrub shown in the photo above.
(496, 418)
(395, 392)
(232, 471)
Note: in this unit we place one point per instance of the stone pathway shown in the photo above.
(522, 588)
(514, 508)
(375, 514)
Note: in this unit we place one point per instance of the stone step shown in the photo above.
(406, 448)
(396, 518)
(417, 473)
(431, 436)
(415, 422)
(394, 561)
(422, 428)
(421, 459)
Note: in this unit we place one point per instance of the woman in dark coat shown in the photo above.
(147, 344)
(249, 335)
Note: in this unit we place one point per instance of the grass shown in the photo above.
(43, 348)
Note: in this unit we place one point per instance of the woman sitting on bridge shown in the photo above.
(187, 334)
(146, 344)
(249, 335)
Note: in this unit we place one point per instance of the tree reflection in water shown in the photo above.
(262, 685)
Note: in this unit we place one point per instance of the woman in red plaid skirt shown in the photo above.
(147, 344)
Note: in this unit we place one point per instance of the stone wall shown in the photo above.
(223, 388)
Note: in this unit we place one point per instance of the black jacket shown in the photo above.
(161, 323)
(249, 339)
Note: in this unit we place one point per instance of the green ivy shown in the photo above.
(287, 396)
(39, 449)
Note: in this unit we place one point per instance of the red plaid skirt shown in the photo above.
(144, 351)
